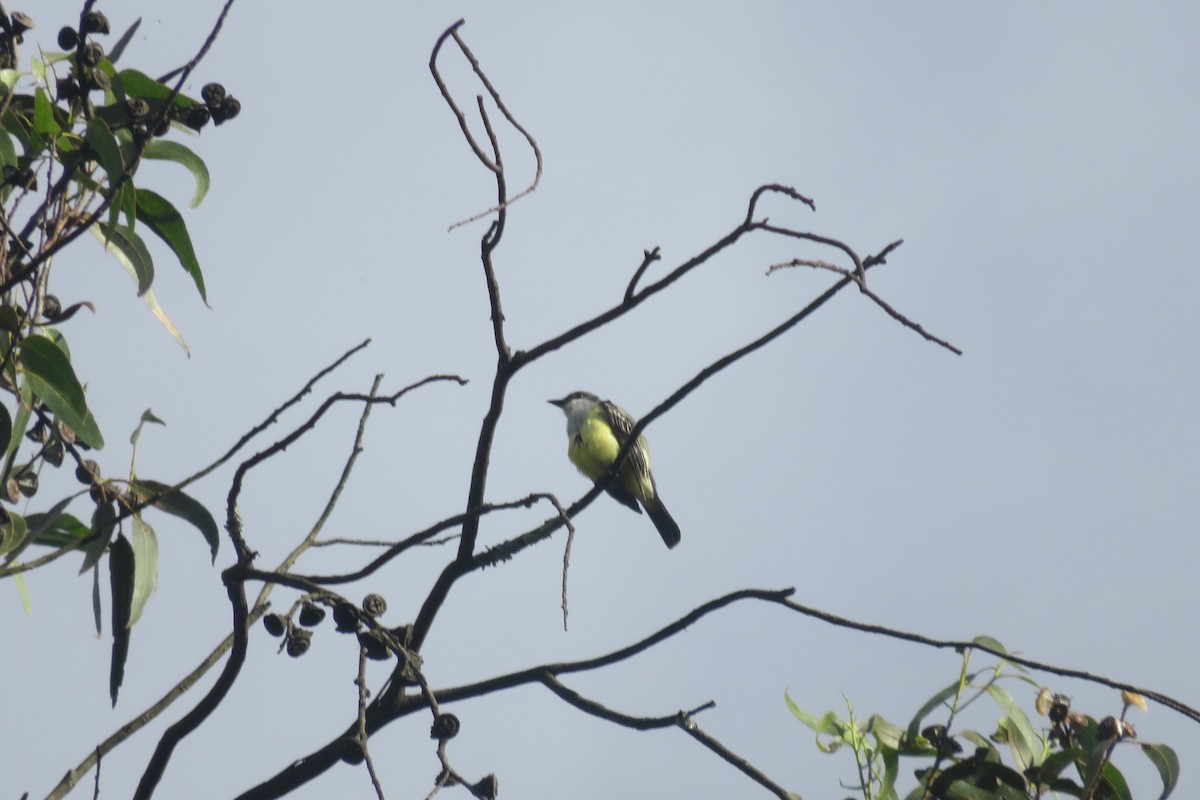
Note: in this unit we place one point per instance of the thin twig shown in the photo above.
(361, 737)
(648, 258)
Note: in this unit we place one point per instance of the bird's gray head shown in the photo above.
(576, 404)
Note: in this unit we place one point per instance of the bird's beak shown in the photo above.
(558, 403)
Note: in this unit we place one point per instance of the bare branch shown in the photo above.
(648, 258)
(689, 725)
(492, 163)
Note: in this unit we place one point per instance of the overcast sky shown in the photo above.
(1039, 162)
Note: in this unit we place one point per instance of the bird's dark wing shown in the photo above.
(622, 424)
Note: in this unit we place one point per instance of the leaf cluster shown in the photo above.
(74, 129)
(1016, 761)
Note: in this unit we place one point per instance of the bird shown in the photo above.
(596, 431)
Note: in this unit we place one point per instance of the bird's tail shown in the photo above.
(667, 528)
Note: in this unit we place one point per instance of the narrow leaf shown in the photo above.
(167, 150)
(157, 213)
(43, 115)
(6, 428)
(40, 526)
(1023, 740)
(1118, 786)
(145, 562)
(147, 416)
(8, 152)
(1166, 762)
(12, 534)
(20, 423)
(123, 42)
(121, 577)
(23, 594)
(139, 84)
(104, 524)
(129, 249)
(52, 378)
(107, 150)
(181, 505)
(914, 727)
(96, 610)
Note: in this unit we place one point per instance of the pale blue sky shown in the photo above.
(1039, 161)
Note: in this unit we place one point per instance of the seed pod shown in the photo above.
(68, 89)
(276, 624)
(196, 117)
(311, 614)
(64, 432)
(27, 483)
(374, 605)
(230, 107)
(67, 38)
(212, 94)
(345, 616)
(298, 642)
(21, 22)
(487, 788)
(138, 108)
(376, 649)
(54, 452)
(88, 472)
(1109, 728)
(95, 22)
(93, 54)
(51, 307)
(40, 432)
(445, 726)
(99, 79)
(162, 127)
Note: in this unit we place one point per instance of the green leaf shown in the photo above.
(104, 524)
(121, 574)
(167, 150)
(989, 642)
(135, 258)
(178, 504)
(1059, 760)
(12, 533)
(1023, 739)
(161, 217)
(20, 423)
(6, 428)
(145, 562)
(128, 248)
(1167, 763)
(52, 379)
(976, 779)
(139, 84)
(96, 610)
(891, 770)
(107, 149)
(8, 153)
(43, 115)
(63, 531)
(147, 416)
(914, 727)
(39, 525)
(123, 42)
(1116, 782)
(23, 594)
(886, 733)
(1097, 758)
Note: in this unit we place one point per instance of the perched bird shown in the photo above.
(596, 431)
